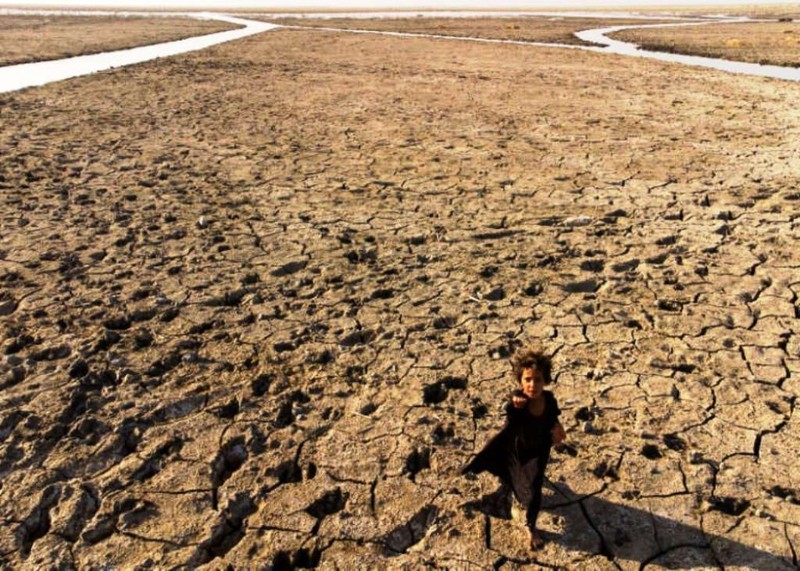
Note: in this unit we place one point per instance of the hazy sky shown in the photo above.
(290, 5)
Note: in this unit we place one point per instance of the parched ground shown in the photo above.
(26, 39)
(257, 303)
(783, 11)
(774, 43)
(555, 29)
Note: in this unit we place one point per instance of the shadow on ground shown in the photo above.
(619, 532)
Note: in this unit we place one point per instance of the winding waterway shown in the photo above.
(16, 77)
(20, 76)
(600, 36)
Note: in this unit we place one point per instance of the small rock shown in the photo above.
(533, 289)
(590, 428)
(576, 221)
(202, 222)
(495, 294)
(669, 305)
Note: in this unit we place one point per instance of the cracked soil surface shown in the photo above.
(257, 301)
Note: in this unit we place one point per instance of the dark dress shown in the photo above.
(518, 454)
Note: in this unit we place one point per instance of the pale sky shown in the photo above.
(292, 5)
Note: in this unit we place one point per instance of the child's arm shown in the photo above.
(515, 407)
(558, 432)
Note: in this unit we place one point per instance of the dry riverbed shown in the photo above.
(26, 39)
(257, 302)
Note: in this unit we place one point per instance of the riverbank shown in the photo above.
(549, 29)
(25, 39)
(766, 43)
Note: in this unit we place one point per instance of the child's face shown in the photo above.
(532, 382)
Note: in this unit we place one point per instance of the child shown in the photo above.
(518, 454)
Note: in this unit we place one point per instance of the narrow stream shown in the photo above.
(15, 77)
(600, 36)
(608, 45)
(20, 76)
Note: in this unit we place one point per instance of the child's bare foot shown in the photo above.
(536, 541)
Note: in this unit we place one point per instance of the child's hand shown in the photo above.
(518, 400)
(558, 433)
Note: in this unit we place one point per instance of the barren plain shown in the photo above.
(555, 29)
(257, 303)
(25, 39)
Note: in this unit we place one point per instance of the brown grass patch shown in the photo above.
(774, 43)
(530, 29)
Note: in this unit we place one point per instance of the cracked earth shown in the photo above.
(257, 304)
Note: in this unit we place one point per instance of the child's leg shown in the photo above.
(535, 504)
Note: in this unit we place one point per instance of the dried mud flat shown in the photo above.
(25, 39)
(555, 29)
(257, 301)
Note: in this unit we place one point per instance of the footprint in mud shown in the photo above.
(403, 537)
(229, 459)
(38, 522)
(154, 463)
(227, 532)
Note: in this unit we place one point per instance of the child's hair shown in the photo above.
(532, 358)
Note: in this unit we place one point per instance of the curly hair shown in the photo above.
(532, 358)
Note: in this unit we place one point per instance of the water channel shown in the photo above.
(20, 76)
(16, 77)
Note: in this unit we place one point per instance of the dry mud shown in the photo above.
(554, 29)
(769, 11)
(25, 39)
(257, 303)
(775, 43)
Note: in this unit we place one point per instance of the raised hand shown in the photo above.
(519, 400)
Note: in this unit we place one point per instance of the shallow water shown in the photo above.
(20, 76)
(466, 14)
(599, 36)
(15, 77)
(608, 45)
(449, 38)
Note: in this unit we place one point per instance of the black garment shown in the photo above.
(519, 453)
